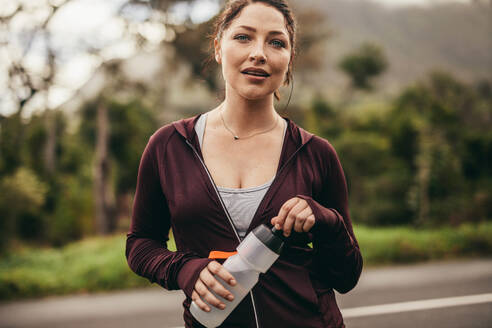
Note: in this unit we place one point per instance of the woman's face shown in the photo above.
(254, 52)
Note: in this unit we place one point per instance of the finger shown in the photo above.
(309, 223)
(301, 219)
(200, 288)
(198, 301)
(284, 210)
(292, 217)
(216, 269)
(274, 220)
(212, 284)
(212, 299)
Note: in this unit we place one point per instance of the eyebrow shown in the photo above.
(252, 29)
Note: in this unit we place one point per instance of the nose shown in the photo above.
(257, 54)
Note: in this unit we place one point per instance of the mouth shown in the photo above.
(255, 72)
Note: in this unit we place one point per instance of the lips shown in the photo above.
(255, 72)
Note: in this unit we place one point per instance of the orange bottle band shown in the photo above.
(220, 255)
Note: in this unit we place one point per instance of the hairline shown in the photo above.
(252, 2)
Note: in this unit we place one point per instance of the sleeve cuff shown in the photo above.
(328, 222)
(189, 273)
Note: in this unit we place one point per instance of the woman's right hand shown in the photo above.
(206, 282)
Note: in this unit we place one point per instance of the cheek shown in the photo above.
(230, 60)
(282, 65)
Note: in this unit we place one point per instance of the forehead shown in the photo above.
(261, 17)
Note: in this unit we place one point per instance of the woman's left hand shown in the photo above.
(294, 214)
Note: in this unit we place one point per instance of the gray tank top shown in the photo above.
(241, 203)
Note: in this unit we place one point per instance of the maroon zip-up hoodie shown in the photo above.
(175, 190)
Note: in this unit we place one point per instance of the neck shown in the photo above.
(245, 116)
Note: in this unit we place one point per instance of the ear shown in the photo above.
(218, 56)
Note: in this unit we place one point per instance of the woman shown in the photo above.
(214, 177)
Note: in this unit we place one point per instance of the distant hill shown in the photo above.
(455, 37)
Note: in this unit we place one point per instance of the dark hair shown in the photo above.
(234, 7)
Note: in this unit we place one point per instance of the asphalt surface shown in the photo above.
(439, 294)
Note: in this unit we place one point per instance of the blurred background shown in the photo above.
(402, 89)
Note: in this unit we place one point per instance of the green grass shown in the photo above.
(381, 246)
(99, 264)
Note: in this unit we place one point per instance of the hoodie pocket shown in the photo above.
(294, 265)
(312, 292)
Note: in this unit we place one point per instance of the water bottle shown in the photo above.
(255, 254)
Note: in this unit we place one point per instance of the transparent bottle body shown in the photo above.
(246, 277)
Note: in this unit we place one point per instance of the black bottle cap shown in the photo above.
(272, 238)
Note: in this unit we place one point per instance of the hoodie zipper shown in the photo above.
(228, 217)
(227, 212)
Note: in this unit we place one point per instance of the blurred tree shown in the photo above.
(66, 204)
(433, 124)
(424, 160)
(23, 195)
(323, 118)
(362, 67)
(119, 132)
(41, 142)
(25, 83)
(11, 154)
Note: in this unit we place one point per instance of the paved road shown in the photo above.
(444, 294)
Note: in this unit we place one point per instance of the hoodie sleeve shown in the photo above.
(337, 253)
(146, 244)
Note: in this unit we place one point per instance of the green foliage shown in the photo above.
(54, 208)
(422, 161)
(131, 125)
(11, 133)
(99, 263)
(435, 121)
(72, 217)
(89, 265)
(406, 245)
(363, 65)
(23, 194)
(324, 114)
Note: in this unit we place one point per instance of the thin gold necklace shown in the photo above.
(236, 137)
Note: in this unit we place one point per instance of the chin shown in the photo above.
(256, 94)
(256, 97)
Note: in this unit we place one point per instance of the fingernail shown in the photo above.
(230, 297)
(222, 306)
(207, 309)
(232, 282)
(277, 226)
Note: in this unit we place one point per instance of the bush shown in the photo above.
(72, 217)
(406, 245)
(21, 199)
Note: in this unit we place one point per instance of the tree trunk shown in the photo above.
(104, 204)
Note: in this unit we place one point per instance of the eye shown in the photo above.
(278, 43)
(241, 37)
